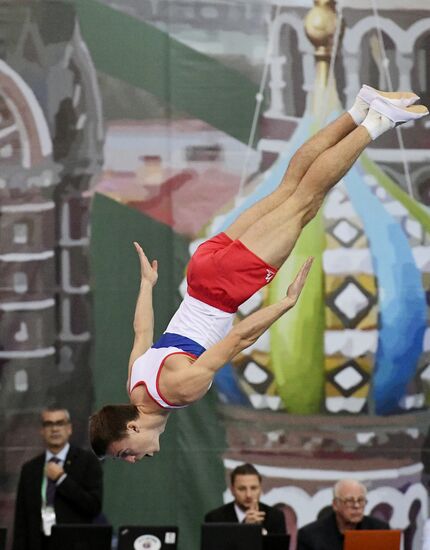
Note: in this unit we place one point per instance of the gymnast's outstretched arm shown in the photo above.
(143, 324)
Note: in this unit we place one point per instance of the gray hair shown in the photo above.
(55, 409)
(341, 482)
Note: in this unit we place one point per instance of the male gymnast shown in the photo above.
(224, 272)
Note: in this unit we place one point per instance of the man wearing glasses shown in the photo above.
(62, 485)
(349, 502)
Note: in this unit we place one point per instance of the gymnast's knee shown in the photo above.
(307, 207)
(310, 212)
(287, 186)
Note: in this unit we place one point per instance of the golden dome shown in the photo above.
(320, 24)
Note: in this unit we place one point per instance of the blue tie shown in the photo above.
(51, 487)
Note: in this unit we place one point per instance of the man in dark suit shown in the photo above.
(246, 507)
(327, 533)
(62, 485)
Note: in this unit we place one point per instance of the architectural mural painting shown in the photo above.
(51, 138)
(102, 143)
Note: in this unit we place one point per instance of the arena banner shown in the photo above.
(161, 122)
(182, 77)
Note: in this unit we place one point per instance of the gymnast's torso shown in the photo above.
(195, 327)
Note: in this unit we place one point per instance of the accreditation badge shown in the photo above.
(48, 519)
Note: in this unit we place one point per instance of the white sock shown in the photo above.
(376, 124)
(359, 110)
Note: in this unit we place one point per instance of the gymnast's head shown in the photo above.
(123, 431)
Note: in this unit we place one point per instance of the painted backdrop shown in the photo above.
(160, 122)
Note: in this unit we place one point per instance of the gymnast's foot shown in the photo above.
(383, 115)
(367, 94)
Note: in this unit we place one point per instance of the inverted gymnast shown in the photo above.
(224, 272)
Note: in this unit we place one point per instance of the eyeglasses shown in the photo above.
(56, 424)
(351, 501)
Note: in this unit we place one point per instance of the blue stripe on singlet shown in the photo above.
(170, 339)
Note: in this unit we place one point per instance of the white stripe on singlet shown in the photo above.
(201, 322)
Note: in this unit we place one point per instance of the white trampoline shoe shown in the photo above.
(397, 114)
(383, 116)
(401, 99)
(367, 94)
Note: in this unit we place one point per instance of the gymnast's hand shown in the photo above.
(297, 285)
(148, 271)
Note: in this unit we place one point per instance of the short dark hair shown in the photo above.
(244, 470)
(109, 424)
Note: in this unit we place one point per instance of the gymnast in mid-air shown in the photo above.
(224, 272)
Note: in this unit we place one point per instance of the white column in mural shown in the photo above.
(276, 85)
(351, 63)
(25, 211)
(66, 240)
(67, 243)
(278, 60)
(276, 64)
(405, 63)
(66, 326)
(308, 61)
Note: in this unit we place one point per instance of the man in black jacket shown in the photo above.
(62, 485)
(246, 507)
(327, 533)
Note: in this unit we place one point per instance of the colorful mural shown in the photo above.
(161, 122)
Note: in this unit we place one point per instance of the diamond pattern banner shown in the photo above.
(351, 314)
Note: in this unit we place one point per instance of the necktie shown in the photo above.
(51, 486)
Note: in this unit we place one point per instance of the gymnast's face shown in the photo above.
(137, 444)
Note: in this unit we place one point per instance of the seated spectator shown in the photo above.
(246, 507)
(348, 504)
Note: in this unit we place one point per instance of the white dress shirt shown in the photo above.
(239, 513)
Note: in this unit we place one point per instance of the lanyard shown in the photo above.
(44, 487)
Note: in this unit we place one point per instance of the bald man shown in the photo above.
(327, 533)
